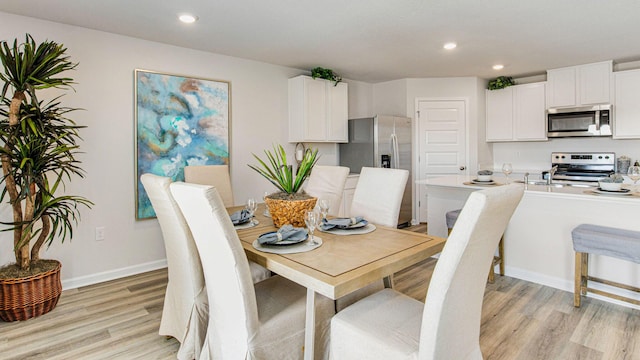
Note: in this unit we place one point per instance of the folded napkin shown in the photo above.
(287, 234)
(240, 217)
(340, 223)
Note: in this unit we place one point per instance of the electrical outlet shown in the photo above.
(100, 233)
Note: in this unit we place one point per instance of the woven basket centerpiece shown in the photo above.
(285, 211)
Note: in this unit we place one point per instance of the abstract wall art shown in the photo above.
(179, 121)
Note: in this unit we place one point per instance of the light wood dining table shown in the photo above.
(343, 264)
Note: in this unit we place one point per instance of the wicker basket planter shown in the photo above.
(289, 211)
(28, 297)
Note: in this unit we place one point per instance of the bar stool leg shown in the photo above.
(501, 254)
(578, 278)
(492, 274)
(584, 274)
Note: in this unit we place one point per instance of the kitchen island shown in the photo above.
(537, 241)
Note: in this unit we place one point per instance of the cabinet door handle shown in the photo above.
(462, 168)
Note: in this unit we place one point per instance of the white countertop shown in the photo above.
(458, 181)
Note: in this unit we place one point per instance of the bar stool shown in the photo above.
(451, 217)
(607, 241)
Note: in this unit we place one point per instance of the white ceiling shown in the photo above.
(374, 40)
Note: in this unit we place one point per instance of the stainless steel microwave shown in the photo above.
(582, 121)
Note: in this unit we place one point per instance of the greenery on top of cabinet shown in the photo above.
(501, 82)
(326, 74)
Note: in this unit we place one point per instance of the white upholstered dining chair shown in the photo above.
(327, 182)
(184, 314)
(378, 195)
(377, 198)
(214, 175)
(391, 325)
(265, 321)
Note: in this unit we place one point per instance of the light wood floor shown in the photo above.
(521, 320)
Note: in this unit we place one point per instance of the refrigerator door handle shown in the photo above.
(394, 152)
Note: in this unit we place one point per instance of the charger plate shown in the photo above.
(288, 249)
(246, 225)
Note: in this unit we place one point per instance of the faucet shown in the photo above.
(526, 178)
(552, 172)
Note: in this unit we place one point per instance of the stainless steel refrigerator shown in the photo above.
(381, 141)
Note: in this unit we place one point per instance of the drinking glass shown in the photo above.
(312, 218)
(634, 174)
(324, 208)
(507, 169)
(266, 208)
(251, 207)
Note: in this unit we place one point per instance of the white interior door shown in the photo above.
(442, 148)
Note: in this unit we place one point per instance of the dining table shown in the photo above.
(342, 264)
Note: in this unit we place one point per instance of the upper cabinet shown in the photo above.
(517, 113)
(579, 85)
(626, 109)
(318, 110)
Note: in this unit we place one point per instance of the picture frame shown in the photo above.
(179, 121)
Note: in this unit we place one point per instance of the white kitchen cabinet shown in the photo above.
(626, 109)
(581, 85)
(517, 113)
(318, 110)
(347, 195)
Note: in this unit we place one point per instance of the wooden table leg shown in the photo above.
(387, 281)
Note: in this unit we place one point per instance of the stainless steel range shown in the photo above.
(582, 166)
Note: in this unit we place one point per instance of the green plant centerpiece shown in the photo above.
(289, 204)
(39, 144)
(501, 82)
(326, 74)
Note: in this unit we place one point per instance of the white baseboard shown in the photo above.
(554, 282)
(566, 285)
(112, 274)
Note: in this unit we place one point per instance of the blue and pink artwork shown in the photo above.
(180, 121)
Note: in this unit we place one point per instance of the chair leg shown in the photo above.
(501, 254)
(492, 274)
(584, 273)
(497, 260)
(578, 277)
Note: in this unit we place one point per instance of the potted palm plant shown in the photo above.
(289, 204)
(39, 144)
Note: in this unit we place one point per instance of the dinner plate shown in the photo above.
(291, 249)
(476, 181)
(363, 230)
(357, 225)
(283, 242)
(609, 192)
(614, 191)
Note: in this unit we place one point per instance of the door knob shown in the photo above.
(462, 168)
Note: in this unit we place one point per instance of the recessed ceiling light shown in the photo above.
(498, 67)
(188, 18)
(450, 45)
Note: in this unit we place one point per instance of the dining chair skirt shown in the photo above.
(355, 333)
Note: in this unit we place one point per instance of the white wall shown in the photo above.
(390, 98)
(105, 83)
